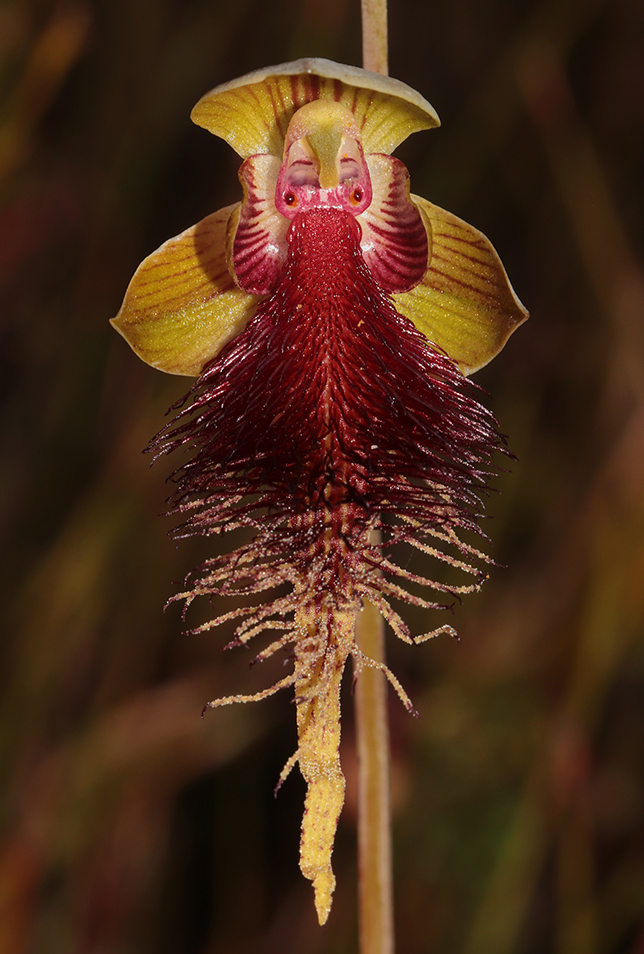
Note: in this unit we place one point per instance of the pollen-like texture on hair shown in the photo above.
(327, 418)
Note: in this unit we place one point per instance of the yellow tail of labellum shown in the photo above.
(319, 671)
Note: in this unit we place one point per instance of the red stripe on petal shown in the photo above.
(394, 238)
(259, 244)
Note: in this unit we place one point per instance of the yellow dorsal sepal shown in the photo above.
(252, 113)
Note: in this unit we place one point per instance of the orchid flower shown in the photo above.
(332, 318)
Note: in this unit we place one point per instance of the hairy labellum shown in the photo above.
(327, 418)
(331, 316)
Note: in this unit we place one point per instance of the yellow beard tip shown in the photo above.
(323, 886)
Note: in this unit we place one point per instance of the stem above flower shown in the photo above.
(375, 52)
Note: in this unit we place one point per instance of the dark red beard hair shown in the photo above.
(329, 416)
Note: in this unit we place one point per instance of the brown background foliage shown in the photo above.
(128, 824)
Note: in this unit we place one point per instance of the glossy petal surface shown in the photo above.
(465, 303)
(259, 241)
(252, 113)
(395, 242)
(182, 304)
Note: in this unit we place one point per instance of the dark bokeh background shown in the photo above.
(129, 826)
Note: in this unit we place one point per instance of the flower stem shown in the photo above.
(374, 36)
(374, 808)
(375, 882)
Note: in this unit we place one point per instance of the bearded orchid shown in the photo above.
(332, 319)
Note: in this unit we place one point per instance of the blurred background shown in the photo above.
(131, 826)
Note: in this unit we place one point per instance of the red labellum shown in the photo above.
(330, 398)
(327, 418)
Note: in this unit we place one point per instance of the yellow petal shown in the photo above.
(465, 304)
(252, 113)
(182, 305)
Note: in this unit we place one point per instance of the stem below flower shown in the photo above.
(374, 36)
(375, 881)
(374, 808)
